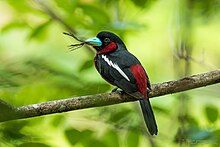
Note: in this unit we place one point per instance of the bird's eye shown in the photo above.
(106, 40)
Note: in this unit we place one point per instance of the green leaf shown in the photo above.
(58, 119)
(216, 134)
(15, 24)
(94, 88)
(98, 15)
(87, 133)
(111, 138)
(12, 130)
(32, 144)
(140, 3)
(211, 113)
(161, 109)
(132, 139)
(73, 136)
(94, 142)
(21, 6)
(117, 116)
(68, 5)
(192, 120)
(39, 31)
(86, 65)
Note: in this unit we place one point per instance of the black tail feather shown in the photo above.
(149, 116)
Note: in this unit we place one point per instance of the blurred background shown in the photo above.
(172, 39)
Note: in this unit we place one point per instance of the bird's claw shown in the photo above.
(115, 90)
(149, 90)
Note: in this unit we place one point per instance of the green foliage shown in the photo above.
(132, 139)
(98, 15)
(140, 3)
(118, 116)
(35, 66)
(211, 113)
(87, 138)
(86, 65)
(10, 132)
(33, 144)
(111, 138)
(16, 24)
(74, 136)
(40, 31)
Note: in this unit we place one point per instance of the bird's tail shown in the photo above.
(149, 116)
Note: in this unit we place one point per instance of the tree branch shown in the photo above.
(82, 102)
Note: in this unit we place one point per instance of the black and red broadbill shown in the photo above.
(122, 69)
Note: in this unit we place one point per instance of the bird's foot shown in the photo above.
(118, 91)
(149, 90)
(115, 89)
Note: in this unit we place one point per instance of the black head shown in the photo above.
(106, 42)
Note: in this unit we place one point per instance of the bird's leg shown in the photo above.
(118, 91)
(115, 89)
(149, 90)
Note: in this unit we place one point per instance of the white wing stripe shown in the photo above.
(115, 66)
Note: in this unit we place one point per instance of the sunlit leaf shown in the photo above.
(211, 113)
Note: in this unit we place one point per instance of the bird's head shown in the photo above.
(106, 42)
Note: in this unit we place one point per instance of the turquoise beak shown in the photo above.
(93, 41)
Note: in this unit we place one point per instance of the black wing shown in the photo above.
(107, 67)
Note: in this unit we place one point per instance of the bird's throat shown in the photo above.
(109, 48)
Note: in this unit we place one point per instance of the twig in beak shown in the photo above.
(73, 47)
(72, 35)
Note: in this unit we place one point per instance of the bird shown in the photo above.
(122, 69)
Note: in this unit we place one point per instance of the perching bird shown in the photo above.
(122, 69)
